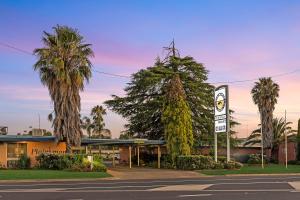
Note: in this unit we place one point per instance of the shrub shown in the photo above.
(222, 159)
(254, 159)
(72, 162)
(97, 158)
(294, 162)
(166, 162)
(219, 165)
(194, 162)
(99, 167)
(204, 162)
(23, 162)
(232, 165)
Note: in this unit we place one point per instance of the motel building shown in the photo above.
(13, 146)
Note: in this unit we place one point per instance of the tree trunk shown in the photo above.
(69, 148)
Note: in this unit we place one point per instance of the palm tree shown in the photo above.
(280, 127)
(97, 116)
(265, 93)
(86, 124)
(64, 66)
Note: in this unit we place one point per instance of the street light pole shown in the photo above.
(39, 121)
(285, 137)
(262, 142)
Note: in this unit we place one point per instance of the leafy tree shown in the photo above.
(86, 124)
(47, 133)
(298, 141)
(143, 103)
(264, 94)
(125, 136)
(94, 126)
(64, 66)
(98, 121)
(177, 120)
(280, 127)
(104, 133)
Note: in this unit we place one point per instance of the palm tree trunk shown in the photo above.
(69, 148)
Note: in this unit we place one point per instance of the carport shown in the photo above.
(129, 144)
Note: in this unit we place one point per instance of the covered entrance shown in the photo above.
(125, 151)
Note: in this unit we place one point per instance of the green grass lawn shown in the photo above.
(48, 174)
(246, 169)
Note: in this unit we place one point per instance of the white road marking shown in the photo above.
(250, 183)
(295, 185)
(195, 195)
(181, 188)
(74, 199)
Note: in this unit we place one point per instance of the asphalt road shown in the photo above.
(233, 188)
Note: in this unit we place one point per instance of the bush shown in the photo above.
(254, 159)
(71, 162)
(166, 162)
(219, 165)
(232, 165)
(204, 162)
(23, 162)
(222, 159)
(99, 167)
(294, 162)
(194, 162)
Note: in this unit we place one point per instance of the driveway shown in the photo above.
(150, 173)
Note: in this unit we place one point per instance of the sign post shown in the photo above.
(222, 117)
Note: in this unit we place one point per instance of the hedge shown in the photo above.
(71, 162)
(199, 162)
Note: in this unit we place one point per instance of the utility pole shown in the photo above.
(216, 146)
(262, 142)
(228, 125)
(285, 137)
(39, 121)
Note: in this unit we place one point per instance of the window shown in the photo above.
(15, 150)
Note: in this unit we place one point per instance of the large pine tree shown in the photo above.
(177, 120)
(143, 103)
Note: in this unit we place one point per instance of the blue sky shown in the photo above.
(234, 39)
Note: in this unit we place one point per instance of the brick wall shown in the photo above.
(291, 152)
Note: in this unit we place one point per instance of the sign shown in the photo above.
(221, 109)
(3, 130)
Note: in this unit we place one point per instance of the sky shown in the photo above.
(235, 40)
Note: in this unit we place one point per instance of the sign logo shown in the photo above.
(220, 102)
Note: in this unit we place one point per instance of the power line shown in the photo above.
(111, 74)
(127, 76)
(255, 79)
(16, 48)
(29, 53)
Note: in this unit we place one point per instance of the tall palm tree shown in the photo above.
(280, 128)
(86, 124)
(64, 66)
(98, 121)
(264, 94)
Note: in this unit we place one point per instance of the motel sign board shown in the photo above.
(221, 109)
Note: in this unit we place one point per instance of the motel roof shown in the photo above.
(84, 141)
